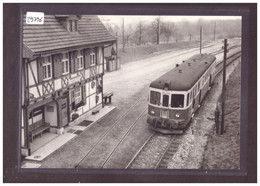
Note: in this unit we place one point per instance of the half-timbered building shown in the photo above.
(62, 73)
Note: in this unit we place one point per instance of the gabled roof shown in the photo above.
(184, 77)
(52, 35)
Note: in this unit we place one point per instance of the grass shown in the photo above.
(134, 53)
(223, 151)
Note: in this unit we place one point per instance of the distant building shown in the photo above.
(62, 73)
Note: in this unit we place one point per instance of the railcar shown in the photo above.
(175, 96)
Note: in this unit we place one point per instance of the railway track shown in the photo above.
(108, 131)
(167, 155)
(156, 152)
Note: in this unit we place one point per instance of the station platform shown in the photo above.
(50, 142)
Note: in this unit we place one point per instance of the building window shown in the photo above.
(65, 66)
(70, 25)
(78, 97)
(47, 71)
(80, 60)
(92, 59)
(76, 25)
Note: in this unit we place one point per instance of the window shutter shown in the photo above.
(40, 69)
(57, 65)
(76, 60)
(72, 99)
(72, 62)
(102, 55)
(84, 94)
(96, 55)
(87, 58)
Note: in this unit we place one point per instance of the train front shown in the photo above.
(168, 111)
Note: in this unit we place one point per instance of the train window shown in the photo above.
(165, 100)
(177, 100)
(188, 99)
(155, 98)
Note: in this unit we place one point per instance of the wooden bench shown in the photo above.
(108, 96)
(37, 128)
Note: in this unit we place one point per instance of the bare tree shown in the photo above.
(168, 29)
(129, 33)
(156, 25)
(140, 30)
(109, 28)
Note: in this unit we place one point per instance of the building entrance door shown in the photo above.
(64, 107)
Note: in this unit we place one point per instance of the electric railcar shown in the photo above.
(175, 96)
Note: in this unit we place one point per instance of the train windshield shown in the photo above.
(177, 100)
(155, 98)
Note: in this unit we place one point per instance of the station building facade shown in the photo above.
(62, 73)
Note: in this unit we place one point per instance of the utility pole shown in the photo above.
(158, 29)
(200, 38)
(116, 49)
(215, 31)
(224, 87)
(123, 36)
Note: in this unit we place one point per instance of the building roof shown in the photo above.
(184, 77)
(53, 36)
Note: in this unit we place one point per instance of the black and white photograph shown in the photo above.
(132, 92)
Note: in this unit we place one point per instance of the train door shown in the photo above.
(165, 104)
(200, 99)
(192, 98)
(210, 81)
(64, 109)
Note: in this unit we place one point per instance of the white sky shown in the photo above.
(117, 19)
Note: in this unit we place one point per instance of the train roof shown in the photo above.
(184, 76)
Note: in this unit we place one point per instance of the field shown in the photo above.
(223, 151)
(134, 53)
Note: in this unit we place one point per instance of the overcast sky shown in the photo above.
(135, 19)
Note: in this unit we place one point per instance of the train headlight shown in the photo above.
(152, 112)
(177, 115)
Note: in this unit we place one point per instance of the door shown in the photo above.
(64, 109)
(165, 104)
(200, 98)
